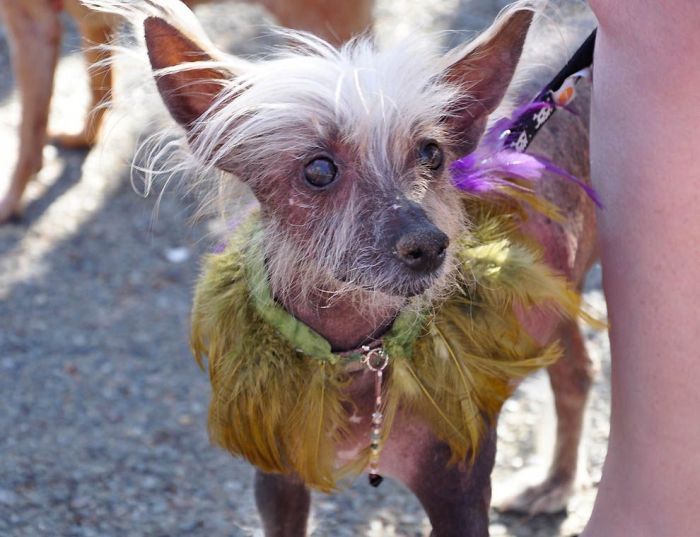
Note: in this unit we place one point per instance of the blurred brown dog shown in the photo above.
(34, 30)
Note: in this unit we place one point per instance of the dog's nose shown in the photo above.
(422, 250)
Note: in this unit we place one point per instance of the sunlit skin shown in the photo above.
(644, 143)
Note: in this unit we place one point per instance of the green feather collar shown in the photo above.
(279, 395)
(402, 334)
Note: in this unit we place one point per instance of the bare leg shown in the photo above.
(283, 503)
(456, 498)
(34, 30)
(571, 379)
(644, 145)
(94, 33)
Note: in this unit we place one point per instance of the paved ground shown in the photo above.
(103, 409)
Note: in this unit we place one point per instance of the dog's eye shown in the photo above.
(430, 155)
(320, 172)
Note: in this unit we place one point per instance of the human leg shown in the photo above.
(644, 144)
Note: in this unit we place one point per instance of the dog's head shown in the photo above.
(347, 151)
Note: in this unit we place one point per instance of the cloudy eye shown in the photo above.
(430, 155)
(320, 172)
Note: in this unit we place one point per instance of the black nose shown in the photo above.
(422, 250)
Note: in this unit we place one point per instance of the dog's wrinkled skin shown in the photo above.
(336, 255)
(34, 31)
(346, 255)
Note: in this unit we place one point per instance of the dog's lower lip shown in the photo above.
(420, 288)
(414, 292)
(415, 288)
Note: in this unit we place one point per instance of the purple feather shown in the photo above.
(479, 174)
(491, 166)
(553, 168)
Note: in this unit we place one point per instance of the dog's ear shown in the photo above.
(187, 90)
(483, 71)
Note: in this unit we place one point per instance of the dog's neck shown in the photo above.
(340, 321)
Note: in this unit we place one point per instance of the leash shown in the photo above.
(557, 94)
(499, 161)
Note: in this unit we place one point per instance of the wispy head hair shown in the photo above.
(369, 112)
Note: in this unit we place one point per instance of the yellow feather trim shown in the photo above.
(278, 393)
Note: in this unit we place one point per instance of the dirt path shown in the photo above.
(103, 408)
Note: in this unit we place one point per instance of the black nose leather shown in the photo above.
(422, 250)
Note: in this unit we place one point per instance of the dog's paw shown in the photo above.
(80, 140)
(9, 209)
(549, 497)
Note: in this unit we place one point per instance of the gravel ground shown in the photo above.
(103, 407)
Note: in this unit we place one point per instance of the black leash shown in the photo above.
(557, 94)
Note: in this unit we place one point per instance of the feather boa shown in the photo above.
(278, 392)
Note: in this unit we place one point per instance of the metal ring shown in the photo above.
(376, 359)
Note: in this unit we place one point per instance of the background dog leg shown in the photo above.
(455, 497)
(571, 379)
(283, 503)
(34, 30)
(100, 75)
(336, 21)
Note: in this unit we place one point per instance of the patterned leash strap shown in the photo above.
(557, 94)
(500, 158)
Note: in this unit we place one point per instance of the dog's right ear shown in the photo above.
(187, 90)
(482, 72)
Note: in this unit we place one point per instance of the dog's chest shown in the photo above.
(359, 408)
(408, 438)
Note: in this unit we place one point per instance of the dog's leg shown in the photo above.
(283, 503)
(94, 33)
(34, 31)
(336, 21)
(455, 497)
(571, 379)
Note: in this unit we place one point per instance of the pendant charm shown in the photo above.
(375, 480)
(376, 360)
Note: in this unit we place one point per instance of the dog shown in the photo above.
(359, 230)
(34, 31)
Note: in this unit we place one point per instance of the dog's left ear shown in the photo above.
(187, 90)
(483, 71)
